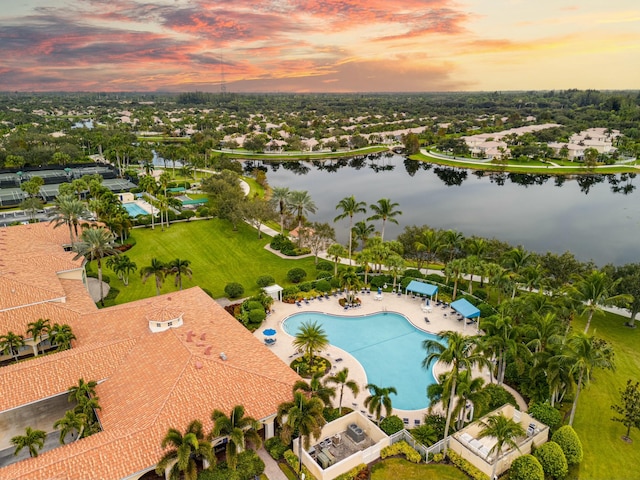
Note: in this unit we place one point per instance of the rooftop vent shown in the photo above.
(223, 356)
(164, 318)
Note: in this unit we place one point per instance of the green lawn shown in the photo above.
(605, 454)
(218, 256)
(399, 468)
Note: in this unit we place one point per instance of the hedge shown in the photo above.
(570, 444)
(354, 473)
(526, 467)
(296, 275)
(275, 447)
(265, 281)
(547, 414)
(401, 448)
(465, 466)
(391, 425)
(233, 290)
(552, 459)
(292, 459)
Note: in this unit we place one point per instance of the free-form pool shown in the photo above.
(134, 210)
(386, 344)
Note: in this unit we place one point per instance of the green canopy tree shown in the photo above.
(238, 428)
(350, 207)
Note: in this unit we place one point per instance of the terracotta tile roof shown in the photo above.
(16, 320)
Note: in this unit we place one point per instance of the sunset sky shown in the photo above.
(318, 45)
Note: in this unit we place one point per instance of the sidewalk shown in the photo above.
(271, 468)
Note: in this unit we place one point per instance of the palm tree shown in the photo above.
(594, 290)
(516, 260)
(302, 415)
(68, 211)
(584, 354)
(350, 207)
(452, 244)
(238, 429)
(280, 196)
(429, 241)
(362, 231)
(454, 270)
(502, 340)
(300, 201)
(365, 258)
(61, 336)
(379, 398)
(95, 244)
(349, 280)
(148, 184)
(37, 329)
(32, 439)
(82, 390)
(468, 390)
(342, 379)
(179, 268)
(315, 388)
(185, 450)
(336, 251)
(459, 352)
(311, 337)
(505, 431)
(395, 266)
(11, 343)
(158, 270)
(72, 421)
(122, 266)
(384, 211)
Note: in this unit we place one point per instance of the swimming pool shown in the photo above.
(134, 210)
(386, 344)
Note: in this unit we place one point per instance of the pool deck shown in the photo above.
(440, 320)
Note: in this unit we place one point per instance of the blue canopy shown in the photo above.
(269, 332)
(422, 288)
(465, 308)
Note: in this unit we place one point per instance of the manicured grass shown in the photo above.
(605, 454)
(218, 256)
(399, 468)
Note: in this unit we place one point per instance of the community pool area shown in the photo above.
(388, 347)
(134, 209)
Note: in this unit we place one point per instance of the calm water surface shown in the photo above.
(596, 217)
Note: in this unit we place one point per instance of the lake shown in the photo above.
(595, 217)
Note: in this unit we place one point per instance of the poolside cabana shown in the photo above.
(422, 288)
(274, 291)
(467, 310)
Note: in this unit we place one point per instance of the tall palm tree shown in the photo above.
(454, 271)
(32, 439)
(395, 266)
(122, 266)
(430, 242)
(460, 353)
(71, 422)
(384, 210)
(301, 203)
(516, 260)
(378, 399)
(11, 343)
(280, 196)
(584, 354)
(505, 431)
(502, 340)
(61, 336)
(362, 231)
(336, 251)
(149, 185)
(82, 390)
(311, 337)
(350, 207)
(594, 290)
(68, 211)
(302, 415)
(179, 268)
(38, 329)
(365, 258)
(316, 388)
(342, 380)
(453, 242)
(238, 428)
(95, 244)
(184, 451)
(158, 270)
(469, 390)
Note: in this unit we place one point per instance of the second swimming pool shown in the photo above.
(386, 344)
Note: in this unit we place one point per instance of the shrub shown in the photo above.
(413, 273)
(546, 414)
(292, 459)
(438, 457)
(486, 310)
(324, 266)
(425, 434)
(526, 467)
(330, 414)
(296, 275)
(498, 396)
(437, 423)
(401, 448)
(275, 447)
(570, 444)
(250, 465)
(322, 274)
(257, 315)
(552, 459)
(278, 241)
(203, 212)
(391, 425)
(306, 286)
(323, 286)
(187, 214)
(265, 281)
(233, 290)
(380, 280)
(465, 466)
(251, 304)
(356, 473)
(335, 283)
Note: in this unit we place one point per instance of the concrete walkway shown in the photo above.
(271, 468)
(94, 288)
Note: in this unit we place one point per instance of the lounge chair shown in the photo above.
(338, 359)
(426, 319)
(269, 341)
(299, 304)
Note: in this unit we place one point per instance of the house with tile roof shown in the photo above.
(159, 362)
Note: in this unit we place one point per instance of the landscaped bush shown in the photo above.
(296, 275)
(325, 266)
(292, 460)
(187, 214)
(361, 472)
(278, 241)
(570, 444)
(202, 212)
(275, 447)
(547, 414)
(233, 290)
(251, 304)
(437, 422)
(330, 414)
(250, 465)
(438, 457)
(380, 280)
(553, 461)
(526, 467)
(290, 293)
(401, 448)
(306, 286)
(391, 425)
(465, 466)
(265, 281)
(413, 273)
(486, 310)
(497, 397)
(257, 315)
(323, 286)
(425, 434)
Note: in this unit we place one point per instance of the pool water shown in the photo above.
(386, 344)
(134, 209)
